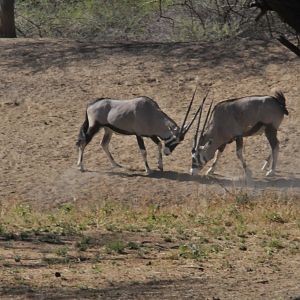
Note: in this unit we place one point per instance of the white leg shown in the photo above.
(80, 158)
(156, 140)
(159, 157)
(144, 153)
(271, 134)
(211, 170)
(275, 152)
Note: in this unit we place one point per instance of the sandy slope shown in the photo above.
(45, 85)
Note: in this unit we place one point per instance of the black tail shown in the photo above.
(281, 101)
(82, 131)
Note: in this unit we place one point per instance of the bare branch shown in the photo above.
(289, 45)
(161, 15)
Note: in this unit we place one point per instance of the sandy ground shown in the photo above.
(46, 84)
(44, 88)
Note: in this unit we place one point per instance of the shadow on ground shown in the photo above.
(39, 55)
(277, 182)
(148, 290)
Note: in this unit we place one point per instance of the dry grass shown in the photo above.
(90, 246)
(74, 249)
(232, 219)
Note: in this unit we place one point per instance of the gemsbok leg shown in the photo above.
(239, 153)
(271, 134)
(144, 153)
(156, 140)
(91, 131)
(105, 145)
(267, 163)
(211, 170)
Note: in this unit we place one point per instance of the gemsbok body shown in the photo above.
(232, 120)
(141, 117)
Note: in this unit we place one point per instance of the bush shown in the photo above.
(174, 20)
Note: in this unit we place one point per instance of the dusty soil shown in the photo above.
(44, 88)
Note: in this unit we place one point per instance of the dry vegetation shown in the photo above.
(117, 233)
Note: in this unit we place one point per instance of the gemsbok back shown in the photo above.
(232, 120)
(141, 117)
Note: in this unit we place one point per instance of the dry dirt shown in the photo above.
(44, 88)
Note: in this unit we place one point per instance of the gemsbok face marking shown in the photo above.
(141, 117)
(232, 120)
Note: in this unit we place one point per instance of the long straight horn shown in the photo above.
(199, 110)
(199, 119)
(204, 125)
(187, 113)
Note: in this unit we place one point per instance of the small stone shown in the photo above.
(57, 274)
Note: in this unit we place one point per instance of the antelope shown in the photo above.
(232, 120)
(141, 117)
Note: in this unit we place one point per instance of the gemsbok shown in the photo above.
(141, 117)
(232, 120)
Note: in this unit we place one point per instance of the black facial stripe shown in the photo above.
(168, 140)
(172, 143)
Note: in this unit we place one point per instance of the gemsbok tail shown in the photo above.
(281, 101)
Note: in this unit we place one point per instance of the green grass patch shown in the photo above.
(196, 233)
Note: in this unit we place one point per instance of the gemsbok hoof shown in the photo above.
(115, 165)
(160, 168)
(248, 173)
(270, 173)
(81, 169)
(210, 172)
(148, 171)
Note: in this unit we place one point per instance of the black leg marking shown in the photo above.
(271, 134)
(141, 143)
(155, 139)
(91, 132)
(221, 149)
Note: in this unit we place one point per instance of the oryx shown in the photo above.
(141, 117)
(233, 119)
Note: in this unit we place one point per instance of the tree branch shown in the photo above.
(289, 45)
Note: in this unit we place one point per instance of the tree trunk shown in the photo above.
(7, 19)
